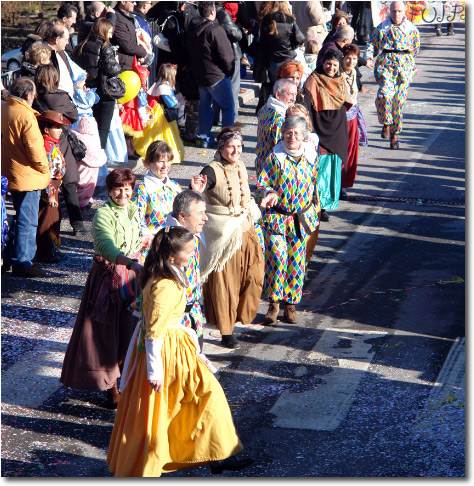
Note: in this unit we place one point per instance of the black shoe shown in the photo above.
(135, 156)
(28, 272)
(343, 195)
(232, 463)
(6, 267)
(230, 341)
(81, 231)
(324, 215)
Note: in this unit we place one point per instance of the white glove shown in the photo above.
(154, 363)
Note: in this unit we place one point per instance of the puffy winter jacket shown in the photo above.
(210, 52)
(96, 57)
(282, 47)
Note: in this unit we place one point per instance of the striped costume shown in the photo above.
(288, 224)
(394, 47)
(270, 119)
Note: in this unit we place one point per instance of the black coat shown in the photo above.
(95, 57)
(60, 101)
(282, 47)
(234, 34)
(210, 52)
(125, 37)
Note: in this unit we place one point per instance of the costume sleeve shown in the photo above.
(50, 190)
(141, 198)
(34, 146)
(268, 176)
(169, 100)
(154, 362)
(416, 42)
(103, 231)
(373, 46)
(159, 307)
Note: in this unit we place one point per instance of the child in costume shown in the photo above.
(161, 95)
(49, 217)
(86, 130)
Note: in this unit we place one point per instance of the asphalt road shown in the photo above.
(370, 383)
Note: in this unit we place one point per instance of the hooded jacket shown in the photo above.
(210, 51)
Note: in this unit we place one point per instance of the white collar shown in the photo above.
(406, 26)
(309, 151)
(276, 105)
(153, 184)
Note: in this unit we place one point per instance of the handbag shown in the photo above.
(160, 40)
(78, 147)
(111, 88)
(171, 114)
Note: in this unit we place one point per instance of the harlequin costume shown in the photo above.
(189, 422)
(270, 119)
(154, 198)
(394, 48)
(288, 224)
(49, 217)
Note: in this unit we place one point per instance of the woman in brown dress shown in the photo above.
(232, 263)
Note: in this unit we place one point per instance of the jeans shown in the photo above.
(221, 92)
(235, 83)
(21, 246)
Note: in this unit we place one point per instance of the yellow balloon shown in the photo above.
(132, 85)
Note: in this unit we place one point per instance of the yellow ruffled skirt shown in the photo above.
(187, 424)
(160, 129)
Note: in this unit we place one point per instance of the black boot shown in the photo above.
(232, 463)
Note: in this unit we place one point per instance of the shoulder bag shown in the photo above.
(78, 147)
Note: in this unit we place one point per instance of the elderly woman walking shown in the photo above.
(104, 327)
(287, 185)
(232, 260)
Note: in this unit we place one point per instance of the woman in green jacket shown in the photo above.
(104, 326)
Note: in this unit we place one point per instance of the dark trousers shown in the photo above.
(103, 112)
(69, 192)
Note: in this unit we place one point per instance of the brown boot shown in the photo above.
(386, 131)
(394, 144)
(272, 315)
(290, 314)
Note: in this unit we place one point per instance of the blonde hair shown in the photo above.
(302, 109)
(312, 47)
(38, 53)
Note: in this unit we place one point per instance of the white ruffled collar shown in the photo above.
(406, 26)
(276, 105)
(153, 184)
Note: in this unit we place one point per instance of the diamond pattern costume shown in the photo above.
(270, 119)
(394, 48)
(288, 224)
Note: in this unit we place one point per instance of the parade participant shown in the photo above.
(155, 195)
(325, 96)
(312, 141)
(344, 35)
(49, 217)
(271, 117)
(287, 184)
(394, 44)
(357, 131)
(103, 328)
(25, 165)
(232, 260)
(189, 210)
(173, 413)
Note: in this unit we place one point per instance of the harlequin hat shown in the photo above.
(53, 117)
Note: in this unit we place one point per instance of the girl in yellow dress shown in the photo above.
(172, 413)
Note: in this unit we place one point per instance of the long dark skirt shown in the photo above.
(49, 224)
(97, 348)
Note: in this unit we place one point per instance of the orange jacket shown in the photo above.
(24, 160)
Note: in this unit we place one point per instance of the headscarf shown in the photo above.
(223, 139)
